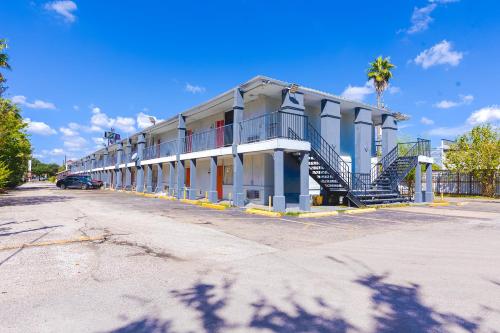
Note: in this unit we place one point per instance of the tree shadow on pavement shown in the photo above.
(146, 325)
(397, 308)
(32, 200)
(400, 309)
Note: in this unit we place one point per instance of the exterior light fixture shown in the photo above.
(152, 120)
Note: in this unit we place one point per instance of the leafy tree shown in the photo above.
(4, 175)
(39, 168)
(477, 152)
(380, 72)
(15, 147)
(4, 64)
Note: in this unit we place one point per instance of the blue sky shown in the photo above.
(80, 66)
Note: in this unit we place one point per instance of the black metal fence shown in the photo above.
(448, 182)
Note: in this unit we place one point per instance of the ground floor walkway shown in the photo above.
(103, 261)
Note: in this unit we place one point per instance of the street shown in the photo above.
(102, 261)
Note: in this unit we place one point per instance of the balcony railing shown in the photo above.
(210, 139)
(273, 125)
(164, 149)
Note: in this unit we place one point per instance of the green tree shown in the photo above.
(15, 147)
(380, 71)
(477, 152)
(4, 64)
(4, 176)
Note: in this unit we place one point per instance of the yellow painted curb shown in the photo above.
(439, 204)
(189, 201)
(150, 195)
(319, 214)
(262, 212)
(167, 197)
(462, 203)
(213, 206)
(358, 211)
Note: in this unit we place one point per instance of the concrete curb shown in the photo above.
(189, 201)
(318, 214)
(357, 211)
(262, 212)
(213, 206)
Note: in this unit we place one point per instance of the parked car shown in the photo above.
(78, 181)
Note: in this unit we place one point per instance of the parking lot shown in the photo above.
(102, 261)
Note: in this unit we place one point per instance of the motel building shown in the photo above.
(269, 140)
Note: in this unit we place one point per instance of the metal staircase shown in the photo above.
(380, 186)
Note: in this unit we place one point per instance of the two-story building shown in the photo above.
(266, 140)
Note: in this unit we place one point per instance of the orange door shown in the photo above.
(219, 139)
(188, 177)
(220, 175)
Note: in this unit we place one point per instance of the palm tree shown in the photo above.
(380, 72)
(4, 58)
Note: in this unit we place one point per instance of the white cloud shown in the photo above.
(447, 104)
(485, 115)
(75, 143)
(37, 104)
(439, 54)
(394, 90)
(57, 152)
(194, 89)
(65, 8)
(68, 131)
(101, 121)
(40, 128)
(488, 114)
(426, 121)
(443, 1)
(143, 120)
(76, 107)
(448, 132)
(421, 18)
(358, 93)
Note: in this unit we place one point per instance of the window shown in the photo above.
(228, 175)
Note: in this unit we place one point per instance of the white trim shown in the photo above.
(171, 158)
(425, 159)
(285, 144)
(207, 153)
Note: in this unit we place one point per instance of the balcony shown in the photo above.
(210, 139)
(273, 125)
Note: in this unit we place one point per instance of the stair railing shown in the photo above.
(329, 154)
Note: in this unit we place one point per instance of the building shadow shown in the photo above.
(32, 200)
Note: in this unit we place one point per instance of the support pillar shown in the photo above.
(304, 199)
(171, 178)
(181, 135)
(139, 182)
(159, 178)
(330, 123)
(149, 178)
(128, 178)
(279, 203)
(429, 193)
(362, 140)
(418, 183)
(292, 103)
(212, 193)
(193, 191)
(389, 133)
(119, 152)
(238, 107)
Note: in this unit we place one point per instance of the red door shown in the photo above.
(220, 175)
(219, 138)
(188, 177)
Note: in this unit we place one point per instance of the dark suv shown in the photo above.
(76, 181)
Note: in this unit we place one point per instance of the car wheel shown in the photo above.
(85, 187)
(63, 187)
